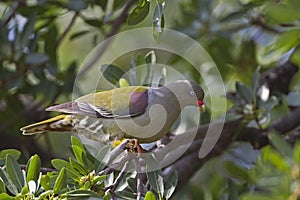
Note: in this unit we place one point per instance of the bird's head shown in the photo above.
(188, 93)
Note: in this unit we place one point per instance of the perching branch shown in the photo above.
(278, 79)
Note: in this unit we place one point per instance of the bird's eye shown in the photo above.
(192, 93)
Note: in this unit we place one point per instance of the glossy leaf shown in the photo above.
(276, 159)
(132, 183)
(28, 30)
(2, 187)
(13, 152)
(155, 178)
(282, 13)
(293, 99)
(244, 92)
(14, 172)
(236, 171)
(126, 195)
(150, 59)
(78, 152)
(112, 73)
(5, 196)
(8, 182)
(102, 156)
(139, 13)
(94, 22)
(255, 80)
(33, 168)
(150, 196)
(296, 153)
(60, 182)
(280, 144)
(170, 184)
(78, 167)
(158, 21)
(36, 59)
(82, 194)
(274, 51)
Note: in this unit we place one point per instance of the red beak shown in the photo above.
(201, 105)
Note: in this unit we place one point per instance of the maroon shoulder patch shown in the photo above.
(138, 102)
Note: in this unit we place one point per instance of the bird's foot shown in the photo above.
(134, 146)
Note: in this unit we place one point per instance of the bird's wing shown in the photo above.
(116, 103)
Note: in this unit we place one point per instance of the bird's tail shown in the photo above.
(59, 123)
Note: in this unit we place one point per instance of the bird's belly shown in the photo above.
(106, 129)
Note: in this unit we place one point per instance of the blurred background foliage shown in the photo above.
(43, 43)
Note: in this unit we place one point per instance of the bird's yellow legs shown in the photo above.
(132, 145)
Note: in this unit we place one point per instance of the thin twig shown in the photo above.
(139, 177)
(119, 178)
(115, 166)
(63, 35)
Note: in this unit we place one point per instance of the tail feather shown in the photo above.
(59, 123)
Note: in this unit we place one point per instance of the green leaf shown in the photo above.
(132, 183)
(59, 164)
(112, 73)
(28, 30)
(13, 152)
(2, 187)
(8, 182)
(280, 144)
(273, 52)
(77, 5)
(78, 167)
(46, 195)
(33, 168)
(244, 92)
(102, 156)
(76, 142)
(282, 13)
(139, 13)
(156, 181)
(150, 196)
(36, 59)
(132, 72)
(60, 182)
(158, 21)
(99, 179)
(293, 99)
(150, 59)
(274, 158)
(79, 34)
(236, 171)
(126, 195)
(170, 184)
(94, 22)
(78, 152)
(255, 81)
(79, 194)
(4, 196)
(255, 196)
(14, 172)
(296, 153)
(123, 82)
(46, 182)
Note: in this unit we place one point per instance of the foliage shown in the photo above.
(77, 179)
(44, 42)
